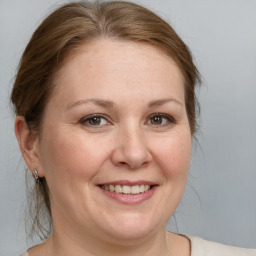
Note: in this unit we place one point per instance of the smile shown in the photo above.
(128, 192)
(125, 189)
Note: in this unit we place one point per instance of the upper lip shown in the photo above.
(128, 183)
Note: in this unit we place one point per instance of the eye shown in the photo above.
(94, 120)
(160, 120)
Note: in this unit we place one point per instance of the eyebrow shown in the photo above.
(99, 102)
(163, 101)
(110, 104)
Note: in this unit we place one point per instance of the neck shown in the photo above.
(66, 244)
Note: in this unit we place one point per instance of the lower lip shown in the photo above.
(130, 199)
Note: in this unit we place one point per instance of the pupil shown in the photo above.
(156, 120)
(95, 121)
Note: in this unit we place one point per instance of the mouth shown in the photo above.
(126, 192)
(126, 189)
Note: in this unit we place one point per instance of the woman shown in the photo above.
(106, 111)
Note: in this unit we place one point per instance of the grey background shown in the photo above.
(219, 203)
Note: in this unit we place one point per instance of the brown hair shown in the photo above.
(77, 23)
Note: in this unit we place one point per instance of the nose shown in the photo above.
(131, 150)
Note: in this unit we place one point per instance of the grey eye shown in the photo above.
(156, 120)
(160, 120)
(94, 120)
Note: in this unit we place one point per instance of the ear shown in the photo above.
(29, 145)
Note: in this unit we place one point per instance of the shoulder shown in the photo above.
(201, 247)
(24, 254)
(38, 249)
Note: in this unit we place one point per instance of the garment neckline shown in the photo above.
(188, 237)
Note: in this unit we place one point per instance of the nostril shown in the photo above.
(123, 164)
(131, 156)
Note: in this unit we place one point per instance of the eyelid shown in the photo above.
(84, 119)
(170, 119)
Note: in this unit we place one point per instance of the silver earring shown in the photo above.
(36, 176)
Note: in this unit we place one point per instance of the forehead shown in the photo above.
(106, 65)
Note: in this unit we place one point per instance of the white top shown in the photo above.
(201, 247)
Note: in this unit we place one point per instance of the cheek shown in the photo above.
(68, 156)
(173, 154)
(173, 157)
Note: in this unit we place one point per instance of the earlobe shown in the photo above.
(28, 143)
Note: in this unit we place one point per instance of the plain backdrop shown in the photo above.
(220, 201)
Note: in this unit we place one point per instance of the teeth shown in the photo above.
(147, 187)
(118, 189)
(126, 189)
(134, 190)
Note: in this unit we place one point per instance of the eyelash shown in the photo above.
(170, 119)
(85, 120)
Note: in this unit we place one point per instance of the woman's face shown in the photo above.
(116, 121)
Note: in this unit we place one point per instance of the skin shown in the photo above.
(131, 82)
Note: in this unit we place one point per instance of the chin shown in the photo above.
(132, 227)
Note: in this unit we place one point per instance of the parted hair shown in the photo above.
(60, 35)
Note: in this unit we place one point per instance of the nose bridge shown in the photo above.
(133, 140)
(131, 148)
